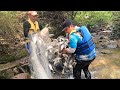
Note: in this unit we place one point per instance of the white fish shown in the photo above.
(50, 66)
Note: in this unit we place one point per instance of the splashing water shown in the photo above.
(38, 59)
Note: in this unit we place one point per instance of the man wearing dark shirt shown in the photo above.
(26, 27)
(29, 27)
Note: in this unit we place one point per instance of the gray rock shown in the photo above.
(106, 51)
(112, 44)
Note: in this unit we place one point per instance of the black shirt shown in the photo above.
(26, 27)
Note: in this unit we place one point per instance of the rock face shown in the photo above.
(21, 76)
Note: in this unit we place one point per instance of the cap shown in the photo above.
(66, 24)
(33, 13)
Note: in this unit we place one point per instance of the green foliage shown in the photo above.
(93, 18)
(116, 24)
(8, 23)
(6, 74)
(6, 58)
(9, 29)
(53, 18)
(20, 53)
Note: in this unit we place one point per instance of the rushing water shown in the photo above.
(106, 65)
(38, 62)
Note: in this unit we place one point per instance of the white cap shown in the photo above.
(33, 13)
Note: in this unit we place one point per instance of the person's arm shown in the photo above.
(72, 45)
(26, 27)
(40, 26)
(70, 50)
(74, 39)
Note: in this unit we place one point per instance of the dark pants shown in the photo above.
(82, 65)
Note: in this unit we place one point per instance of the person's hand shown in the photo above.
(64, 51)
(31, 31)
(27, 40)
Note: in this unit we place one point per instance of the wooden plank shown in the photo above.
(12, 64)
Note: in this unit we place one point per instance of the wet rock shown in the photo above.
(93, 34)
(107, 32)
(51, 35)
(101, 37)
(21, 76)
(106, 51)
(15, 70)
(58, 64)
(112, 44)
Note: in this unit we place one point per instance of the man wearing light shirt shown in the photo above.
(82, 45)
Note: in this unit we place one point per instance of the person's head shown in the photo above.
(68, 26)
(32, 15)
